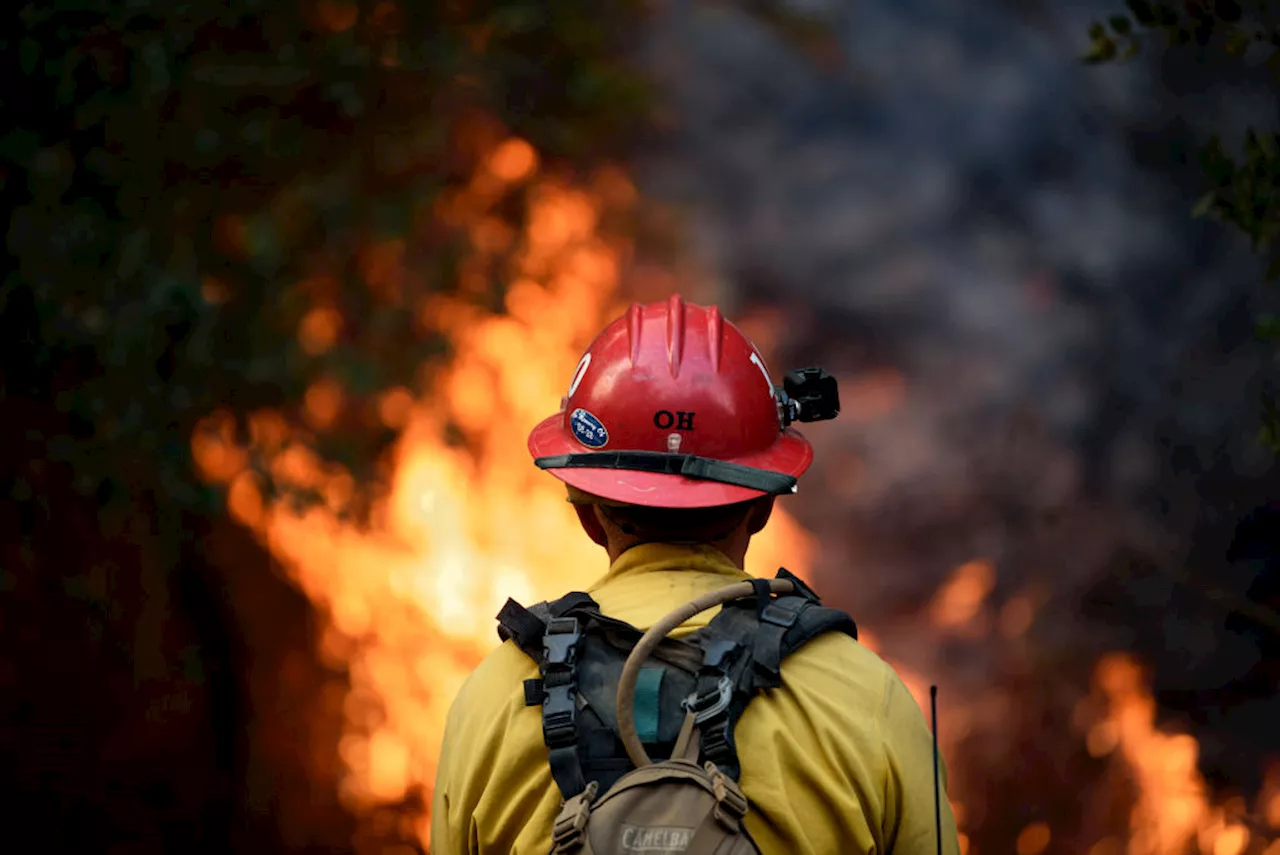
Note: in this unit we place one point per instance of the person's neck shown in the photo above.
(735, 549)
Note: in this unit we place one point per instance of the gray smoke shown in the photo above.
(960, 202)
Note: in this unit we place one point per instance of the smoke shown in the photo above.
(1046, 363)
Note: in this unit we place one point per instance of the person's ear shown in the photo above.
(759, 516)
(591, 524)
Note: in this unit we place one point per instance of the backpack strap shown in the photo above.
(526, 626)
(555, 649)
(744, 646)
(738, 653)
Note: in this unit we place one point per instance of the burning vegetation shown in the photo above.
(407, 599)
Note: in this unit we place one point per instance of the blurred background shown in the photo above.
(287, 284)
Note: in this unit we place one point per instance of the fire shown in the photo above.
(407, 601)
(958, 603)
(1173, 813)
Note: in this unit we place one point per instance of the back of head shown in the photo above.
(648, 524)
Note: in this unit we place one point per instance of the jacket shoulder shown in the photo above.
(835, 665)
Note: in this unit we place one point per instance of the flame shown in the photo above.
(1033, 839)
(1270, 797)
(1173, 813)
(958, 603)
(407, 601)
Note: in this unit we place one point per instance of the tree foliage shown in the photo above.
(212, 206)
(1243, 188)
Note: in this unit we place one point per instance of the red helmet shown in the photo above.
(672, 407)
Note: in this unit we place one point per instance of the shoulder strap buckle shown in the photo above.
(559, 716)
(560, 642)
(708, 706)
(715, 651)
(567, 833)
(731, 802)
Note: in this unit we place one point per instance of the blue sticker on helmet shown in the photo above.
(588, 429)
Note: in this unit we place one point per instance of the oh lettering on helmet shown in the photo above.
(579, 373)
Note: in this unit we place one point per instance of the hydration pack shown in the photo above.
(688, 695)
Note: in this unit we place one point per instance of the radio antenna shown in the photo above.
(937, 795)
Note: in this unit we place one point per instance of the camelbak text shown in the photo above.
(654, 839)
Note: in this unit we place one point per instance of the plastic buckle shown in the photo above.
(781, 613)
(559, 717)
(716, 651)
(559, 644)
(731, 803)
(704, 707)
(567, 833)
(715, 744)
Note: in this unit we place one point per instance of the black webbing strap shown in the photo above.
(776, 617)
(622, 635)
(560, 703)
(725, 682)
(802, 589)
(745, 644)
(515, 621)
(762, 594)
(688, 465)
(574, 601)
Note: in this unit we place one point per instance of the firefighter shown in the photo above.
(673, 443)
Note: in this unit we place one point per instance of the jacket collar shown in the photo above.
(672, 557)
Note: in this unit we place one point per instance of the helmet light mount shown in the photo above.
(808, 395)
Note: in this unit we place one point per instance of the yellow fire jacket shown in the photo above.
(837, 761)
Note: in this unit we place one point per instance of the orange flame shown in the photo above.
(407, 602)
(1173, 813)
(959, 601)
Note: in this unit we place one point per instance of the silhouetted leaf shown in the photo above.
(1142, 11)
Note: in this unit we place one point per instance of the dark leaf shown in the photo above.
(1204, 206)
(1237, 42)
(1227, 10)
(1103, 49)
(1142, 11)
(1268, 327)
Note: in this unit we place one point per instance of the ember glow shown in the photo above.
(407, 602)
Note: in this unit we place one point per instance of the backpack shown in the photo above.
(686, 695)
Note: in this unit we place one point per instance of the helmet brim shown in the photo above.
(791, 454)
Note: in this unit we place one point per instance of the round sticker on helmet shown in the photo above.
(588, 429)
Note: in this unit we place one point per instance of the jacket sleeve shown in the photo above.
(442, 841)
(450, 820)
(910, 823)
